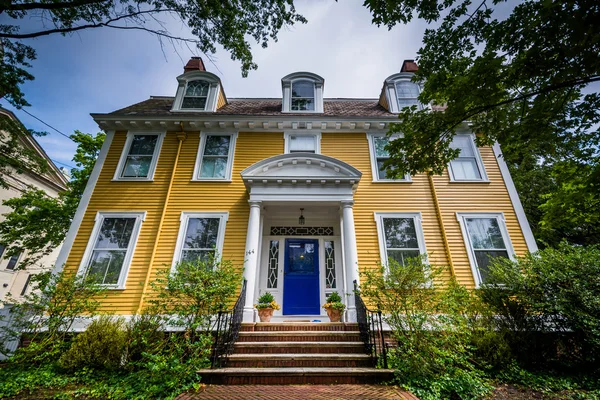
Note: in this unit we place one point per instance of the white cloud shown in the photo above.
(103, 70)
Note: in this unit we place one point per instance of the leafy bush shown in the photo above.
(434, 326)
(145, 338)
(48, 313)
(266, 300)
(549, 305)
(100, 346)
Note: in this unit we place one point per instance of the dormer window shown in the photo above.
(198, 91)
(407, 94)
(399, 92)
(302, 93)
(303, 96)
(196, 95)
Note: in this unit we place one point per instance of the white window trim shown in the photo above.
(183, 223)
(316, 134)
(199, 156)
(213, 91)
(374, 170)
(479, 161)
(416, 216)
(499, 216)
(139, 216)
(125, 152)
(391, 92)
(287, 81)
(395, 93)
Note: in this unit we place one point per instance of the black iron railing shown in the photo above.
(228, 327)
(370, 325)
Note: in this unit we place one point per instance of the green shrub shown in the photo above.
(145, 337)
(266, 298)
(100, 346)
(549, 305)
(434, 326)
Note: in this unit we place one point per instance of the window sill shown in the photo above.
(132, 180)
(471, 181)
(392, 181)
(192, 110)
(211, 180)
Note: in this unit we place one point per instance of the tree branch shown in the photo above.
(48, 6)
(81, 27)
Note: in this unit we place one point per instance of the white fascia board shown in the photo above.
(516, 201)
(83, 204)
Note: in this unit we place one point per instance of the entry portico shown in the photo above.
(308, 262)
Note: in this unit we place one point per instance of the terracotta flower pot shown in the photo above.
(334, 315)
(265, 314)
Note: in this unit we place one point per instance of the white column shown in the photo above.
(350, 257)
(251, 258)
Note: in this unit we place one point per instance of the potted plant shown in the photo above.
(265, 306)
(334, 307)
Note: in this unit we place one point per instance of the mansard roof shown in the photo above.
(161, 106)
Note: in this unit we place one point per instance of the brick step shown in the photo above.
(294, 376)
(298, 360)
(299, 336)
(298, 347)
(298, 326)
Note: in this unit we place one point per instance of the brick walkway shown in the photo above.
(292, 392)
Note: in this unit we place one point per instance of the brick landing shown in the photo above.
(304, 392)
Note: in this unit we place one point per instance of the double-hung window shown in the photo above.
(139, 157)
(110, 249)
(407, 94)
(379, 155)
(215, 156)
(486, 238)
(468, 166)
(303, 95)
(302, 143)
(196, 95)
(201, 236)
(400, 237)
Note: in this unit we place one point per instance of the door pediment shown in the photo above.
(300, 168)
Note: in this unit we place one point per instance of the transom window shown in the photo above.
(486, 239)
(200, 237)
(401, 237)
(468, 166)
(140, 156)
(379, 155)
(302, 143)
(303, 96)
(407, 94)
(111, 248)
(196, 95)
(215, 156)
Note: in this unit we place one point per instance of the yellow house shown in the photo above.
(290, 188)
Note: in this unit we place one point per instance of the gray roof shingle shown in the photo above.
(161, 106)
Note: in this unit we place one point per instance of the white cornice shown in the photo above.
(243, 123)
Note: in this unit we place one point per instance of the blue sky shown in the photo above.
(96, 71)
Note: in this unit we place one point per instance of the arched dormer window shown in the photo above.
(196, 95)
(198, 91)
(407, 94)
(401, 91)
(302, 93)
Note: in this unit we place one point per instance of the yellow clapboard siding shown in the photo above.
(232, 197)
(371, 197)
(186, 195)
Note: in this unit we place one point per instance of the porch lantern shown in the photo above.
(301, 220)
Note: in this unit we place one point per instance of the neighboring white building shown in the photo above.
(13, 279)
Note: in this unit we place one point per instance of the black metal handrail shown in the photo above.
(227, 331)
(370, 325)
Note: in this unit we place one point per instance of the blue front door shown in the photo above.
(301, 277)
